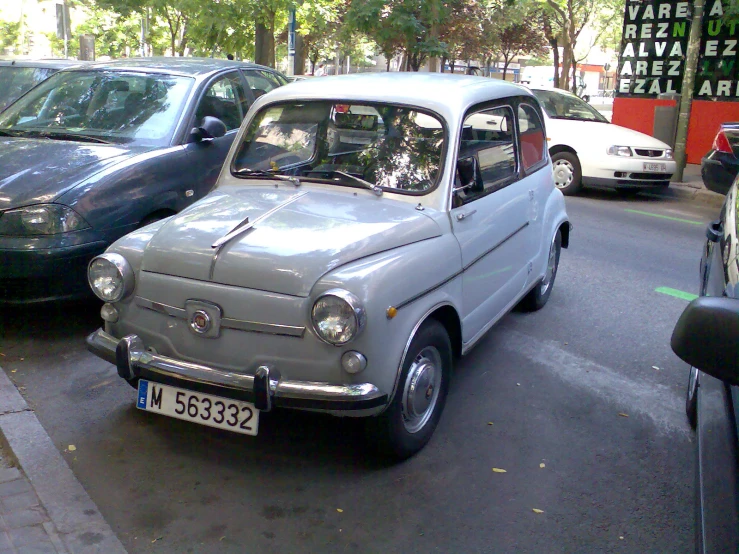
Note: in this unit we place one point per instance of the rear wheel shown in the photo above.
(567, 172)
(539, 295)
(408, 422)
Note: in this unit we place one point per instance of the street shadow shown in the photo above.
(49, 320)
(646, 196)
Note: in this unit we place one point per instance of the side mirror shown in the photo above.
(469, 175)
(211, 128)
(707, 337)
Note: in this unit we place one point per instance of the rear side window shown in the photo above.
(533, 141)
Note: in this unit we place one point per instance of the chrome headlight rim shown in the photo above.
(356, 306)
(125, 271)
(616, 148)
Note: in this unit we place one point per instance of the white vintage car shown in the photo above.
(364, 233)
(587, 150)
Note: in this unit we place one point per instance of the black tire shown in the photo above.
(572, 165)
(134, 382)
(389, 432)
(628, 192)
(691, 397)
(539, 295)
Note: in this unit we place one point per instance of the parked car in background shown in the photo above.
(95, 152)
(335, 274)
(19, 76)
(707, 338)
(588, 150)
(720, 166)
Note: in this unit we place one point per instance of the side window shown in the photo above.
(487, 156)
(260, 82)
(224, 99)
(533, 141)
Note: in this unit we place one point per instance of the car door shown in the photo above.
(224, 98)
(536, 175)
(718, 403)
(490, 217)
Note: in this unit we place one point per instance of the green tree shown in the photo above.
(9, 34)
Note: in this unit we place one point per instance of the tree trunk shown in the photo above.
(387, 64)
(183, 39)
(555, 53)
(564, 79)
(264, 41)
(574, 74)
(442, 69)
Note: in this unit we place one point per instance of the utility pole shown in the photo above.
(291, 42)
(686, 95)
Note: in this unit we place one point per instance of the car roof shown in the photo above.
(444, 93)
(191, 67)
(48, 63)
(553, 89)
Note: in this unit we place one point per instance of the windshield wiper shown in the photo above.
(248, 172)
(72, 136)
(366, 184)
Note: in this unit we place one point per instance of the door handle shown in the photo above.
(465, 215)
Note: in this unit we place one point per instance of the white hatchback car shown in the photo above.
(587, 150)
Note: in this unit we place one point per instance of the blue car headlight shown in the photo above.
(41, 219)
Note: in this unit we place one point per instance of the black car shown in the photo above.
(707, 337)
(97, 151)
(720, 166)
(19, 76)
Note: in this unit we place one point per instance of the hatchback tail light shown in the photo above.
(721, 143)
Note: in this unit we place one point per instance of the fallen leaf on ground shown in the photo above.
(490, 422)
(1, 354)
(567, 343)
(22, 359)
(623, 414)
(537, 511)
(542, 465)
(339, 510)
(157, 539)
(13, 370)
(655, 367)
(498, 470)
(621, 538)
(518, 384)
(71, 448)
(222, 538)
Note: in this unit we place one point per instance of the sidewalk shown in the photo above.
(691, 188)
(43, 507)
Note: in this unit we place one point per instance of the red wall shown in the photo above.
(637, 113)
(705, 117)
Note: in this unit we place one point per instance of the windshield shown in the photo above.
(565, 106)
(14, 81)
(104, 106)
(365, 145)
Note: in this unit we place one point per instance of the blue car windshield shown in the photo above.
(102, 106)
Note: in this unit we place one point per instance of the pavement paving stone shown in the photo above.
(18, 502)
(14, 487)
(9, 474)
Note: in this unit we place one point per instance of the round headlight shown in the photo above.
(110, 277)
(338, 317)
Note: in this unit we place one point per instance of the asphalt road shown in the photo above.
(573, 387)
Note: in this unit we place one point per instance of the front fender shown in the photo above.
(413, 279)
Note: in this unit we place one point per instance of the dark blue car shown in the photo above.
(95, 152)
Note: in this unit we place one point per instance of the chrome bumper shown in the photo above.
(265, 388)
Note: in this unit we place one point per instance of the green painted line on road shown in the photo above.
(665, 217)
(677, 293)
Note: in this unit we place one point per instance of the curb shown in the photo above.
(79, 524)
(697, 195)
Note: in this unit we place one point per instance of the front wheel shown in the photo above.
(539, 295)
(407, 424)
(567, 172)
(691, 398)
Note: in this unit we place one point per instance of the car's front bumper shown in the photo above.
(612, 171)
(265, 388)
(41, 274)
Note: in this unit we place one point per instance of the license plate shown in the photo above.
(652, 167)
(205, 409)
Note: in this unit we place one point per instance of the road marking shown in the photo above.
(690, 221)
(660, 403)
(677, 293)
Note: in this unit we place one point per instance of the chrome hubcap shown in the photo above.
(563, 173)
(551, 268)
(421, 389)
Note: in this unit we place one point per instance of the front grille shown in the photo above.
(650, 176)
(649, 153)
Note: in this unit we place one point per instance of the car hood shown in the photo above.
(302, 234)
(596, 133)
(40, 170)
